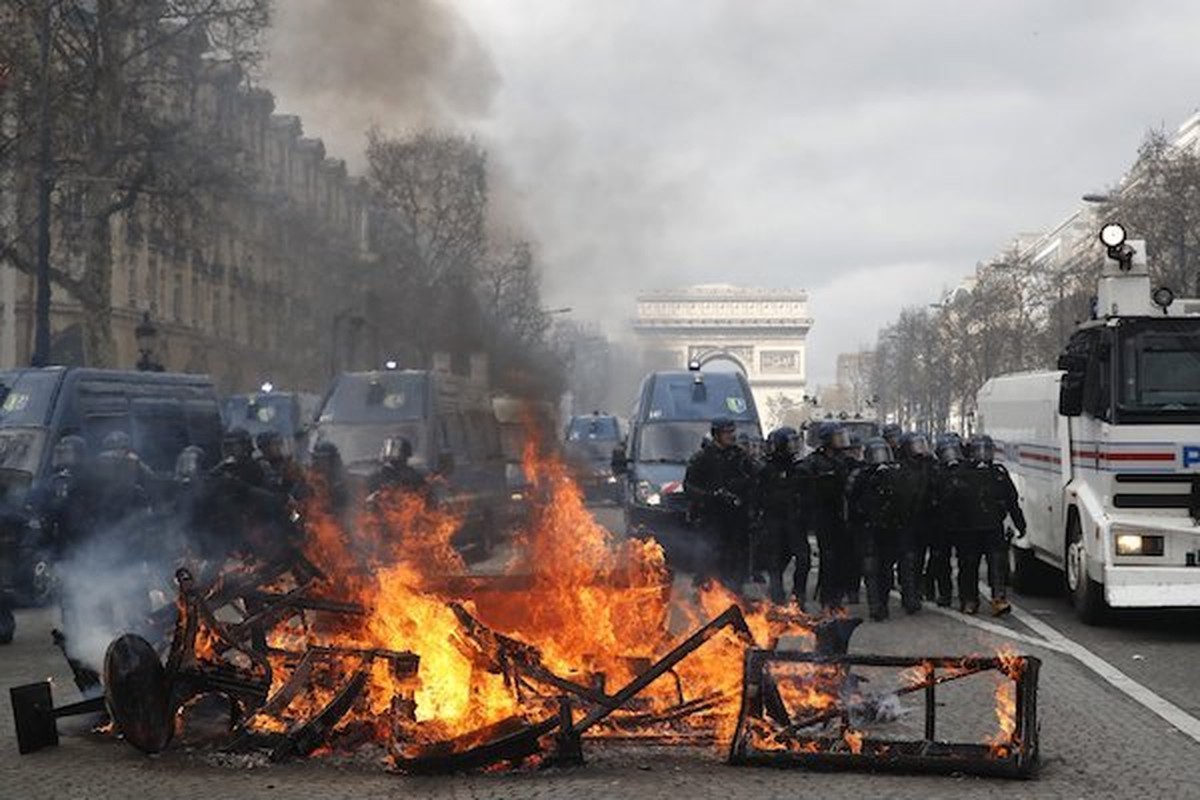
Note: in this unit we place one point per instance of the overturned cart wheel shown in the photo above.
(137, 693)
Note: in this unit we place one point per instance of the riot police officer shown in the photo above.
(394, 470)
(66, 520)
(283, 475)
(118, 486)
(926, 533)
(784, 535)
(823, 474)
(718, 483)
(327, 480)
(876, 516)
(237, 459)
(955, 500)
(893, 434)
(996, 499)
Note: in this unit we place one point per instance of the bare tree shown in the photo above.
(128, 83)
(1160, 202)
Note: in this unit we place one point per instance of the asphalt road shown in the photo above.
(1097, 741)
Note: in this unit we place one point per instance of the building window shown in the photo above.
(197, 312)
(216, 311)
(177, 298)
(131, 278)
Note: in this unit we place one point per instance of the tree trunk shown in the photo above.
(99, 348)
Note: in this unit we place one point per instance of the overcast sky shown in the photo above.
(869, 152)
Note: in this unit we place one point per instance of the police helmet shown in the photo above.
(395, 449)
(69, 452)
(723, 425)
(270, 444)
(236, 443)
(326, 455)
(877, 451)
(949, 451)
(782, 440)
(914, 445)
(116, 442)
(892, 433)
(981, 448)
(833, 436)
(188, 463)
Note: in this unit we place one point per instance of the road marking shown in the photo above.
(1176, 716)
(990, 627)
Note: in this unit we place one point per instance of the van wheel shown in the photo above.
(1085, 594)
(1029, 576)
(8, 625)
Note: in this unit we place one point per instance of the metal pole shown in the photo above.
(41, 334)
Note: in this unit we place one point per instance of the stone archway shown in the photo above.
(760, 332)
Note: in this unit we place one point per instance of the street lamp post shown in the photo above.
(145, 334)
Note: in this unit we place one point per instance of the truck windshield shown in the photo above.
(377, 397)
(677, 442)
(1160, 371)
(261, 412)
(25, 397)
(699, 396)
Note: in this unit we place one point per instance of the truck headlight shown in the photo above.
(1137, 544)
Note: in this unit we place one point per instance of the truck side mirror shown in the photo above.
(620, 461)
(1070, 395)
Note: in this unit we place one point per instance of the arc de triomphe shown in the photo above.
(762, 331)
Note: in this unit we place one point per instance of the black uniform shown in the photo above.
(915, 486)
(824, 477)
(997, 499)
(784, 533)
(877, 518)
(932, 539)
(397, 475)
(719, 482)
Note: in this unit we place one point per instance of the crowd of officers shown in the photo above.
(889, 510)
(249, 502)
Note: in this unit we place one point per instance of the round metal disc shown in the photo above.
(137, 694)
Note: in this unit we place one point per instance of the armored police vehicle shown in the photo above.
(161, 412)
(670, 421)
(1105, 450)
(448, 420)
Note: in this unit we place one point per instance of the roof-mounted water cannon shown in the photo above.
(1124, 289)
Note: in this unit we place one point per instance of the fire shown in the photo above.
(575, 602)
(853, 740)
(1006, 702)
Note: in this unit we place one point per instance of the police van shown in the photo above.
(161, 412)
(670, 420)
(449, 421)
(1105, 450)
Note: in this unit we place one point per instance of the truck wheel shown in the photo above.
(1085, 594)
(8, 625)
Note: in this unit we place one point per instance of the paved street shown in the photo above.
(1096, 741)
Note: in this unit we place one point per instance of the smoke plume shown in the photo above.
(348, 66)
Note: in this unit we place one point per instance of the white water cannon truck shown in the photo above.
(1105, 450)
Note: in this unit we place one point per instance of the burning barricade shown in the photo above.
(378, 639)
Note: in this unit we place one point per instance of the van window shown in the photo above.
(25, 398)
(681, 397)
(593, 428)
(377, 397)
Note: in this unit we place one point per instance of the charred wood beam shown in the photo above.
(313, 733)
(731, 618)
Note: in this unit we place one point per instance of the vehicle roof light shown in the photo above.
(1112, 234)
